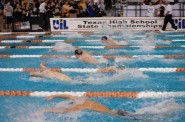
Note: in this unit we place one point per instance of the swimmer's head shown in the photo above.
(122, 113)
(104, 38)
(78, 52)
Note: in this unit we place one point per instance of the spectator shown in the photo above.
(27, 13)
(81, 13)
(9, 15)
(90, 10)
(1, 15)
(108, 7)
(57, 11)
(150, 10)
(42, 13)
(35, 10)
(74, 10)
(17, 13)
(160, 9)
(82, 3)
(168, 17)
(49, 14)
(65, 9)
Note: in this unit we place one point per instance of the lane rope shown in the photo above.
(94, 70)
(68, 41)
(100, 56)
(134, 95)
(92, 47)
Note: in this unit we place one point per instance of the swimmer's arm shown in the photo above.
(70, 41)
(85, 52)
(65, 96)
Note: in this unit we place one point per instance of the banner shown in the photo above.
(20, 26)
(115, 23)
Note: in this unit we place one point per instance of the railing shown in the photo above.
(139, 10)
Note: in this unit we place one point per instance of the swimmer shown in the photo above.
(85, 56)
(105, 40)
(45, 73)
(84, 105)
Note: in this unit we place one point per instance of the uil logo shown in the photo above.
(180, 23)
(60, 24)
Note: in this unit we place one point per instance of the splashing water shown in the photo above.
(106, 29)
(107, 78)
(61, 46)
(75, 35)
(147, 43)
(164, 107)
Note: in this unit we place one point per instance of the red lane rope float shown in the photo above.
(6, 37)
(174, 56)
(15, 93)
(180, 70)
(115, 94)
(40, 69)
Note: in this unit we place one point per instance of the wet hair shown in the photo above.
(122, 113)
(78, 52)
(104, 38)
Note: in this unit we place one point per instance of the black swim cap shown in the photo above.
(122, 113)
(78, 52)
(104, 38)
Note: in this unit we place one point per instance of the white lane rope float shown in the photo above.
(94, 70)
(97, 56)
(31, 33)
(103, 94)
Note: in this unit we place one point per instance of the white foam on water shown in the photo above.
(75, 35)
(182, 78)
(104, 78)
(166, 108)
(106, 29)
(102, 60)
(147, 43)
(163, 107)
(133, 60)
(122, 42)
(63, 47)
(36, 79)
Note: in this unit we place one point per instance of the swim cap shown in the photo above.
(104, 38)
(78, 52)
(122, 113)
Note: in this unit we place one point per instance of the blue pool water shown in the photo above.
(26, 109)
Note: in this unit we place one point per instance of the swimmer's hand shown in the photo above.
(50, 98)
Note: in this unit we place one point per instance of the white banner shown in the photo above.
(116, 23)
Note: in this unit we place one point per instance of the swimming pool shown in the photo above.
(155, 71)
